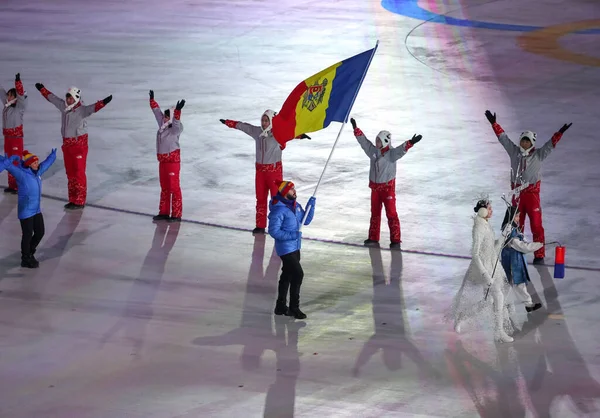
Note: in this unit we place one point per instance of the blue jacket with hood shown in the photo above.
(285, 217)
(29, 183)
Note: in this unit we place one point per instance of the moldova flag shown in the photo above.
(322, 98)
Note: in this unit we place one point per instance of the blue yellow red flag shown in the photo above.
(323, 98)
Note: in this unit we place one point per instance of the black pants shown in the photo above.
(33, 232)
(291, 278)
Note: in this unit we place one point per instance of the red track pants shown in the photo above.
(384, 194)
(268, 177)
(169, 167)
(13, 146)
(75, 151)
(530, 206)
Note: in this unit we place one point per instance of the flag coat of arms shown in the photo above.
(322, 98)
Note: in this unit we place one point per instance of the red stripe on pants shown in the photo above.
(530, 206)
(384, 194)
(75, 151)
(13, 146)
(171, 201)
(268, 177)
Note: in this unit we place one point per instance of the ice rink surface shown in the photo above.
(126, 318)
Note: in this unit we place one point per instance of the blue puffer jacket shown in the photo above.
(284, 224)
(29, 183)
(514, 262)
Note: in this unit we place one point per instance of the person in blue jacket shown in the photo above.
(513, 258)
(29, 184)
(285, 218)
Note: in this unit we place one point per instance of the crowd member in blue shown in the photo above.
(285, 218)
(28, 175)
(513, 258)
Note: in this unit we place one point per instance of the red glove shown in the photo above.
(229, 123)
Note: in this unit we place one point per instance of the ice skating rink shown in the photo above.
(127, 318)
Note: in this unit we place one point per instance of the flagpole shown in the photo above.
(340, 132)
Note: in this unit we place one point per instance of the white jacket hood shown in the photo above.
(270, 114)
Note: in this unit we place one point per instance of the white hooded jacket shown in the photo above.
(268, 150)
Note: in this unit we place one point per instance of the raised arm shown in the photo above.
(401, 151)
(549, 146)
(365, 144)
(177, 117)
(95, 107)
(21, 96)
(158, 114)
(250, 130)
(275, 228)
(52, 98)
(45, 165)
(7, 163)
(510, 147)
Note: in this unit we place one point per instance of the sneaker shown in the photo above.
(296, 313)
(11, 191)
(538, 260)
(535, 307)
(395, 246)
(257, 231)
(160, 217)
(371, 243)
(172, 219)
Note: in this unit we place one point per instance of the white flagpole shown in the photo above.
(307, 209)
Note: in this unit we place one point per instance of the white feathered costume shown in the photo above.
(469, 301)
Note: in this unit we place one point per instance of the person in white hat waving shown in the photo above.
(526, 162)
(382, 181)
(75, 139)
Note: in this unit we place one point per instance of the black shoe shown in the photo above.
(73, 206)
(533, 308)
(395, 246)
(296, 313)
(371, 243)
(29, 262)
(160, 217)
(171, 219)
(257, 231)
(538, 260)
(280, 309)
(11, 191)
